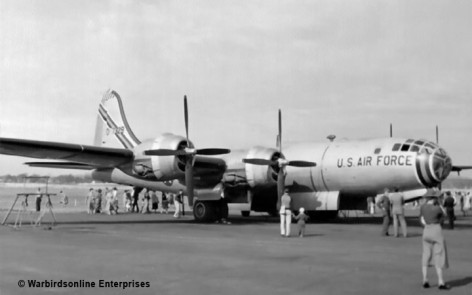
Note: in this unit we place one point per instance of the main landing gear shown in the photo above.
(209, 211)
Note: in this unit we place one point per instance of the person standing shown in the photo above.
(434, 244)
(114, 201)
(64, 199)
(285, 214)
(384, 204)
(154, 201)
(178, 203)
(461, 200)
(398, 212)
(134, 206)
(89, 201)
(164, 203)
(301, 218)
(449, 206)
(370, 205)
(39, 197)
(146, 200)
(98, 201)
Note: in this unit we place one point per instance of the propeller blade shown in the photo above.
(301, 164)
(186, 118)
(280, 132)
(189, 179)
(212, 151)
(165, 152)
(280, 186)
(260, 162)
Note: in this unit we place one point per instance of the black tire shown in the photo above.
(204, 211)
(245, 213)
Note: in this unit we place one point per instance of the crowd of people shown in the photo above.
(436, 208)
(107, 201)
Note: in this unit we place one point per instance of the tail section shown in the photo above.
(112, 123)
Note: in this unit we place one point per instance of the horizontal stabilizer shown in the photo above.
(61, 165)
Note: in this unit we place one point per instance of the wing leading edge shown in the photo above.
(76, 155)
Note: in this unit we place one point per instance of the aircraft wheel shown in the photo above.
(245, 213)
(204, 211)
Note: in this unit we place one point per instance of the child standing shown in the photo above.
(301, 218)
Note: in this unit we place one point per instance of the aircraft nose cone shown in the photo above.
(441, 165)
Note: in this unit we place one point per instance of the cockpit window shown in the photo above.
(426, 150)
(405, 147)
(396, 147)
(419, 142)
(442, 152)
(414, 148)
(429, 145)
(410, 140)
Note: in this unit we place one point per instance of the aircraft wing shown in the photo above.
(61, 165)
(76, 155)
(460, 168)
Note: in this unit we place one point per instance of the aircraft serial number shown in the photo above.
(393, 160)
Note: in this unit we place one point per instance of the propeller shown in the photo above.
(281, 163)
(188, 153)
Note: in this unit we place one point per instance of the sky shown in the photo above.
(348, 68)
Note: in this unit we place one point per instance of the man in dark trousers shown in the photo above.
(449, 204)
(384, 204)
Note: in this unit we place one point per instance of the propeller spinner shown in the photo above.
(188, 153)
(281, 162)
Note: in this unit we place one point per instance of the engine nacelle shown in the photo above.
(260, 175)
(160, 167)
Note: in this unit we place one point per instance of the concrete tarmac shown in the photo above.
(246, 257)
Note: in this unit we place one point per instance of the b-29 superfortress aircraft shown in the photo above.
(333, 175)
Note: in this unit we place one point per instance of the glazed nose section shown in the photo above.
(441, 165)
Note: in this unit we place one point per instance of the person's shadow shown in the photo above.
(460, 282)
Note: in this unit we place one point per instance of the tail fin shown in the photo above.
(112, 123)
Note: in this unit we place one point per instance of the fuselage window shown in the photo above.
(405, 148)
(377, 151)
(414, 148)
(396, 147)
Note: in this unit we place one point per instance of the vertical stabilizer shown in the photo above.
(112, 124)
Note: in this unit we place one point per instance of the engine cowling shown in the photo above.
(260, 175)
(160, 167)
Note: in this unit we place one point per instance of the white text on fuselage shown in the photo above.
(380, 160)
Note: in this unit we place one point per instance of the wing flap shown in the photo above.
(84, 154)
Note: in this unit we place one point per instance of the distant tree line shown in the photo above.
(35, 178)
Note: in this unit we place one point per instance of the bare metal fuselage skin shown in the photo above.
(345, 169)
